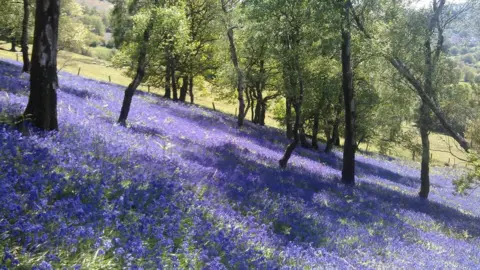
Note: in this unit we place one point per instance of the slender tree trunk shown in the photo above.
(348, 170)
(298, 119)
(303, 138)
(190, 90)
(258, 111)
(42, 102)
(14, 44)
(168, 92)
(425, 120)
(184, 89)
(288, 118)
(332, 141)
(296, 138)
(240, 78)
(252, 110)
(26, 59)
(174, 79)
(425, 167)
(249, 100)
(263, 111)
(315, 128)
(132, 87)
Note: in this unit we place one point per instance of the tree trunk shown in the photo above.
(263, 111)
(288, 118)
(303, 138)
(298, 119)
(190, 89)
(240, 78)
(168, 92)
(348, 170)
(258, 112)
(142, 63)
(316, 120)
(425, 167)
(26, 59)
(296, 138)
(42, 102)
(184, 89)
(14, 44)
(174, 79)
(334, 139)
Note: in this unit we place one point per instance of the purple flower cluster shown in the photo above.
(182, 187)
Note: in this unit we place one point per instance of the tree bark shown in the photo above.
(303, 138)
(425, 166)
(174, 79)
(334, 140)
(26, 15)
(168, 92)
(240, 78)
(42, 102)
(288, 118)
(190, 90)
(14, 44)
(142, 63)
(184, 89)
(315, 128)
(348, 170)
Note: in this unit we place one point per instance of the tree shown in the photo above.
(348, 169)
(140, 73)
(24, 41)
(428, 37)
(227, 7)
(11, 22)
(42, 102)
(72, 33)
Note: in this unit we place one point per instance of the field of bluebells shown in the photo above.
(183, 188)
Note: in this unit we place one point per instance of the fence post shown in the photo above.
(78, 73)
(109, 78)
(213, 104)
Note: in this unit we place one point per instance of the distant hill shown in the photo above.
(101, 5)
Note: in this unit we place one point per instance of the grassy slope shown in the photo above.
(101, 70)
(101, 6)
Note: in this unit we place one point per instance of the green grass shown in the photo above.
(102, 53)
(102, 70)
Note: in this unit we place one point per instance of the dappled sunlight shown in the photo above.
(183, 187)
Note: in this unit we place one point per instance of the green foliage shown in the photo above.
(471, 180)
(469, 59)
(11, 13)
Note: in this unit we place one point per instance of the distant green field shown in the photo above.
(103, 70)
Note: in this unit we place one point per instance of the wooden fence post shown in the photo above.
(78, 73)
(109, 78)
(213, 104)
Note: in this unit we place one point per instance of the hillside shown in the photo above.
(102, 6)
(182, 187)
